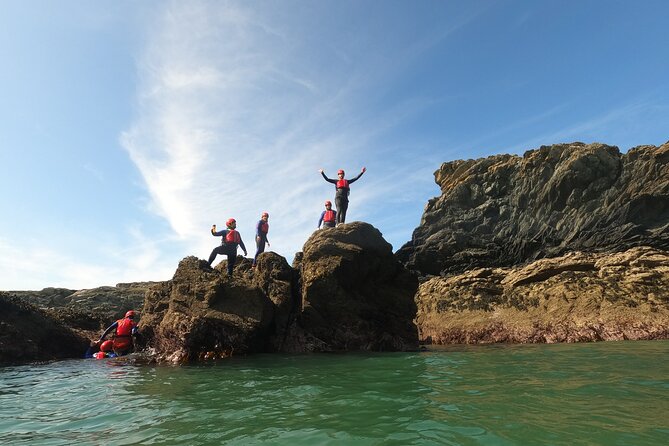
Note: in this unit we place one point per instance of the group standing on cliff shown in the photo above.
(231, 239)
(342, 190)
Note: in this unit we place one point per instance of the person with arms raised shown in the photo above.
(343, 189)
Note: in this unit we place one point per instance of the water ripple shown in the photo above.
(610, 393)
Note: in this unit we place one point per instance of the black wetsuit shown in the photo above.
(341, 197)
(261, 239)
(227, 248)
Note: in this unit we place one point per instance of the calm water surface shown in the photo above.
(614, 393)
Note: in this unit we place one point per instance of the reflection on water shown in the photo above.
(606, 393)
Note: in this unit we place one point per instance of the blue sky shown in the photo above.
(128, 128)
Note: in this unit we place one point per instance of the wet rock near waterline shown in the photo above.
(30, 334)
(355, 294)
(578, 297)
(347, 292)
(72, 317)
(87, 311)
(507, 210)
(202, 313)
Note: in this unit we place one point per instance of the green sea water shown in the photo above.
(614, 393)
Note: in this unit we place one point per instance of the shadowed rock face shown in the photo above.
(347, 292)
(588, 226)
(203, 313)
(507, 210)
(28, 333)
(58, 323)
(87, 311)
(355, 294)
(574, 298)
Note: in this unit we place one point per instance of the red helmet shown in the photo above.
(340, 171)
(130, 314)
(328, 203)
(231, 222)
(106, 346)
(264, 214)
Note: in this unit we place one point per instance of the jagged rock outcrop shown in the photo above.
(566, 243)
(507, 210)
(347, 292)
(102, 299)
(71, 319)
(202, 314)
(28, 334)
(574, 298)
(355, 294)
(90, 310)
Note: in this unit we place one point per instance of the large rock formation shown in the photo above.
(57, 323)
(347, 293)
(28, 333)
(506, 210)
(203, 314)
(102, 299)
(89, 309)
(573, 298)
(567, 243)
(355, 294)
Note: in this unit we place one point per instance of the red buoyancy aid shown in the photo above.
(342, 184)
(264, 227)
(329, 216)
(123, 338)
(232, 237)
(124, 328)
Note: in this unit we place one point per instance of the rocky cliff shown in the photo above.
(573, 298)
(347, 292)
(28, 333)
(566, 243)
(57, 323)
(354, 294)
(506, 210)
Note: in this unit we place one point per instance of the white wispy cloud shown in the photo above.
(31, 265)
(234, 118)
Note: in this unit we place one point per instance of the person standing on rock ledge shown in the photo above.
(262, 228)
(229, 242)
(328, 216)
(342, 191)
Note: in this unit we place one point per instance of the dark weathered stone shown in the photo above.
(348, 292)
(573, 298)
(29, 334)
(567, 243)
(507, 210)
(87, 311)
(355, 294)
(201, 313)
(69, 318)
